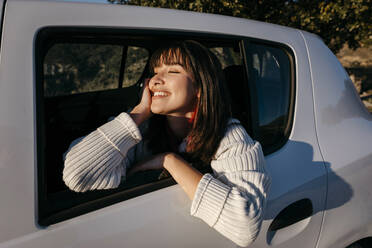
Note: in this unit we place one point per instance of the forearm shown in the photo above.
(183, 173)
(100, 151)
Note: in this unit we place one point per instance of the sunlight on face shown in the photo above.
(173, 91)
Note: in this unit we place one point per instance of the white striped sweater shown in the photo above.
(232, 200)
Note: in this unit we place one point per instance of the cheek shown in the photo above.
(192, 94)
(185, 94)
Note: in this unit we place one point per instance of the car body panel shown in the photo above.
(344, 129)
(159, 218)
(20, 17)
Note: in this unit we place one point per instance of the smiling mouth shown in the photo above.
(160, 94)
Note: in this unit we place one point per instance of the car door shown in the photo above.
(156, 216)
(282, 121)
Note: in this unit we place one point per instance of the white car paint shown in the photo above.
(324, 140)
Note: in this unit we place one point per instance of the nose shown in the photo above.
(156, 80)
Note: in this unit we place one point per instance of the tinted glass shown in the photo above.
(227, 56)
(135, 63)
(272, 76)
(78, 68)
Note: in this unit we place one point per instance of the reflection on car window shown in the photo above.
(227, 56)
(272, 75)
(78, 68)
(136, 60)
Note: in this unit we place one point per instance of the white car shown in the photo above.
(68, 66)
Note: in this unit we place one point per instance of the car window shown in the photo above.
(71, 68)
(77, 68)
(235, 74)
(85, 79)
(227, 56)
(136, 60)
(271, 73)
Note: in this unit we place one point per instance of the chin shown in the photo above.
(158, 111)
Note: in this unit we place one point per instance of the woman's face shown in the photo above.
(173, 91)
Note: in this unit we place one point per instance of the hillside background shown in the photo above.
(358, 63)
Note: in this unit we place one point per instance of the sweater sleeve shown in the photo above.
(98, 160)
(232, 201)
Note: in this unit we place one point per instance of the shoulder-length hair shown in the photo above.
(212, 110)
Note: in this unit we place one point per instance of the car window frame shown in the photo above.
(120, 194)
(253, 97)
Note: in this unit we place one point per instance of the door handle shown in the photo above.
(295, 212)
(290, 221)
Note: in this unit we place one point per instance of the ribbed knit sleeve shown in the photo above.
(97, 161)
(232, 200)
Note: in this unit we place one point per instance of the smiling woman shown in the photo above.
(172, 88)
(189, 128)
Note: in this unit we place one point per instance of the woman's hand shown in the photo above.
(142, 111)
(155, 162)
(181, 171)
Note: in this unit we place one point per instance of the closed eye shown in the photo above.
(173, 72)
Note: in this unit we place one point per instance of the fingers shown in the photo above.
(142, 111)
(146, 94)
(144, 89)
(145, 84)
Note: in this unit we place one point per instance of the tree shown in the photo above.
(338, 22)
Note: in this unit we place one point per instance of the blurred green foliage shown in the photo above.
(338, 22)
(71, 68)
(75, 68)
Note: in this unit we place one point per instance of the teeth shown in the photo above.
(160, 93)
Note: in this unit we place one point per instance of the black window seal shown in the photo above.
(2, 21)
(253, 101)
(122, 65)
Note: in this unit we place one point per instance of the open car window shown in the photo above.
(87, 76)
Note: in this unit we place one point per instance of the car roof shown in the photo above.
(171, 13)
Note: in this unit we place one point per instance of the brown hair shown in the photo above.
(212, 108)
